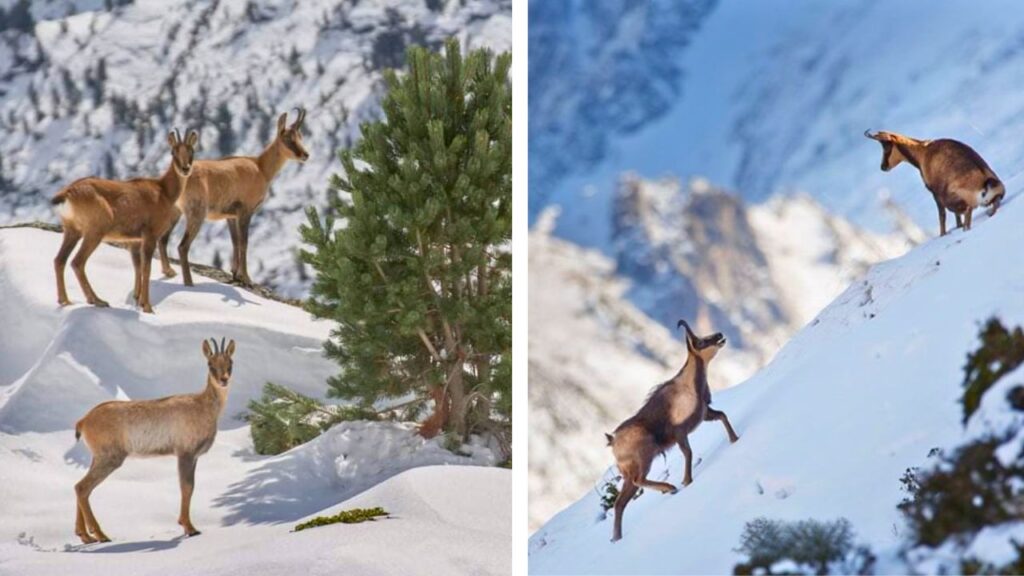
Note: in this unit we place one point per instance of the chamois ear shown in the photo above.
(206, 349)
(230, 350)
(691, 340)
(172, 139)
(192, 138)
(282, 121)
(299, 118)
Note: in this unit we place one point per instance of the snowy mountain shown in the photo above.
(56, 363)
(827, 429)
(757, 273)
(92, 87)
(775, 97)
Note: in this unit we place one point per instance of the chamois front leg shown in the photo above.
(148, 248)
(967, 218)
(192, 224)
(71, 237)
(684, 445)
(244, 219)
(187, 479)
(713, 414)
(959, 219)
(136, 250)
(165, 262)
(235, 245)
(942, 217)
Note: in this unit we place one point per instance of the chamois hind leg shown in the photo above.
(165, 262)
(967, 218)
(136, 251)
(80, 529)
(713, 414)
(959, 219)
(89, 245)
(192, 224)
(71, 237)
(100, 468)
(244, 220)
(187, 479)
(625, 497)
(642, 481)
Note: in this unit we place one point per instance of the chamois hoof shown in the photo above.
(734, 439)
(100, 303)
(187, 282)
(673, 491)
(148, 310)
(63, 303)
(614, 539)
(86, 539)
(193, 532)
(169, 273)
(687, 482)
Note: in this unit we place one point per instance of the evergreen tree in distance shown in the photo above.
(417, 273)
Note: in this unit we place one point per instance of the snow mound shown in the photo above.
(865, 391)
(56, 363)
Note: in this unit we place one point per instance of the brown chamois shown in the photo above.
(672, 411)
(233, 188)
(184, 425)
(956, 175)
(137, 211)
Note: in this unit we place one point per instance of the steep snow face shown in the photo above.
(56, 363)
(89, 91)
(829, 426)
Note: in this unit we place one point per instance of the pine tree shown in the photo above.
(419, 276)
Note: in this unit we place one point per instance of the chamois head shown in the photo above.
(706, 347)
(891, 155)
(291, 136)
(992, 195)
(218, 359)
(182, 152)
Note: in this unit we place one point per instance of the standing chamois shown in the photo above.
(137, 211)
(956, 175)
(672, 411)
(233, 188)
(183, 425)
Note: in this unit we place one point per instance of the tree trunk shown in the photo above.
(433, 425)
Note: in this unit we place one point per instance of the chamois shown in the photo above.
(184, 425)
(956, 175)
(137, 211)
(233, 188)
(672, 411)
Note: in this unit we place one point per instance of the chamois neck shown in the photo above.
(688, 372)
(911, 150)
(216, 394)
(172, 183)
(272, 159)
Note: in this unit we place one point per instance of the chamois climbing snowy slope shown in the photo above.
(56, 363)
(863, 392)
(92, 90)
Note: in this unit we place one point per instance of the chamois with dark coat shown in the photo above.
(958, 177)
(672, 411)
(183, 426)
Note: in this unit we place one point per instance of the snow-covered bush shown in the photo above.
(802, 547)
(282, 419)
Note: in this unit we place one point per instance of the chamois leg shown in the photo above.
(165, 262)
(942, 218)
(145, 273)
(642, 481)
(235, 245)
(192, 225)
(713, 414)
(967, 218)
(959, 220)
(100, 468)
(136, 251)
(71, 237)
(80, 529)
(625, 497)
(244, 220)
(89, 245)
(187, 479)
(684, 446)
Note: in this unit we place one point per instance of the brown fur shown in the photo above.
(233, 189)
(958, 177)
(672, 411)
(137, 211)
(183, 425)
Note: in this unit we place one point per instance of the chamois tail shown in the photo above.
(610, 438)
(78, 430)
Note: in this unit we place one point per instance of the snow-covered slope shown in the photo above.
(57, 363)
(87, 90)
(829, 426)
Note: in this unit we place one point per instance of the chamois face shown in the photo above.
(706, 347)
(218, 359)
(182, 152)
(891, 156)
(992, 197)
(291, 136)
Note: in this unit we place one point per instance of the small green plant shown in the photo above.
(1001, 352)
(811, 546)
(609, 493)
(282, 419)
(353, 516)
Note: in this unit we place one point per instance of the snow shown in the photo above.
(864, 392)
(449, 512)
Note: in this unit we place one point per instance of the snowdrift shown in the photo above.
(827, 429)
(56, 363)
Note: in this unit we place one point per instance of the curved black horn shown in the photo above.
(177, 136)
(213, 344)
(870, 135)
(222, 345)
(682, 323)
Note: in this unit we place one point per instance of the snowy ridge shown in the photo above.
(829, 426)
(93, 92)
(56, 363)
